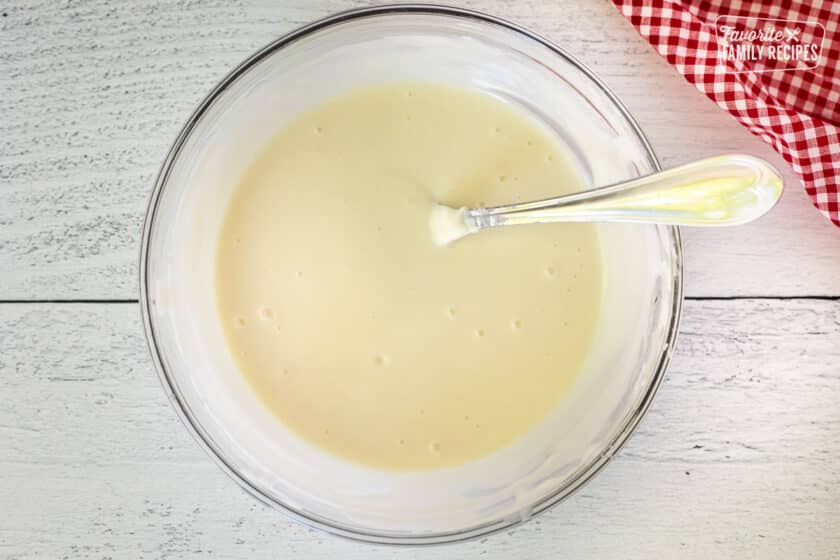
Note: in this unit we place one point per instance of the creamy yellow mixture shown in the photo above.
(360, 333)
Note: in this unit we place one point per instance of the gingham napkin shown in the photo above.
(768, 80)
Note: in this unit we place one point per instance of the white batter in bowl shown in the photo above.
(640, 303)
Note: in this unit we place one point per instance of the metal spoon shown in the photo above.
(718, 191)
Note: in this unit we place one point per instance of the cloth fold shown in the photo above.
(775, 66)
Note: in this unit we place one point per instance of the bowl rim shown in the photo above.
(202, 437)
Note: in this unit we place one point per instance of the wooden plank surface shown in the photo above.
(94, 92)
(738, 457)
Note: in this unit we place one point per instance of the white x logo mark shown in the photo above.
(792, 34)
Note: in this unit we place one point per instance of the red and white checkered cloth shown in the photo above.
(792, 105)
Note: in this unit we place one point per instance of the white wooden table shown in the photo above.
(738, 457)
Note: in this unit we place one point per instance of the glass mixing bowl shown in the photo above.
(642, 291)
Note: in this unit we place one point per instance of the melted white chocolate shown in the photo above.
(361, 333)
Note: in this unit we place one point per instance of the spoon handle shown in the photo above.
(718, 191)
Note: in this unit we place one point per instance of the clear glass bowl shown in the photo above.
(641, 299)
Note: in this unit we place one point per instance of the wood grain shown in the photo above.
(738, 457)
(94, 92)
